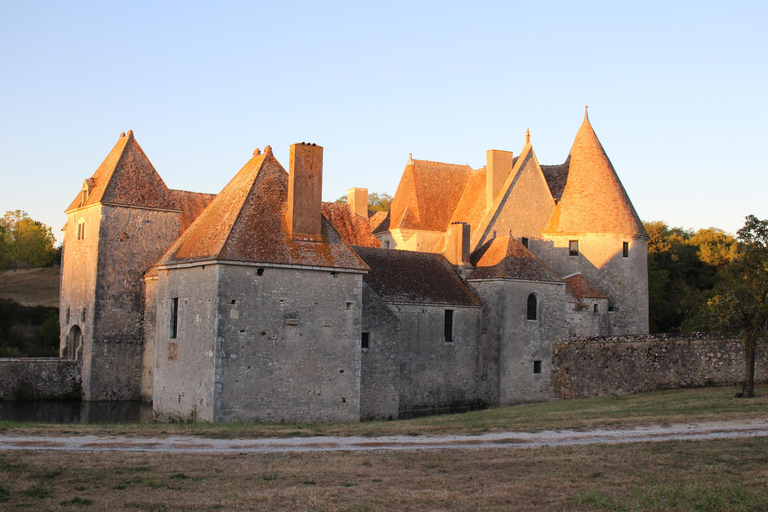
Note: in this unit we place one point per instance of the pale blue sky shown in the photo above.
(677, 93)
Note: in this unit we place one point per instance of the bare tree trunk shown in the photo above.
(749, 374)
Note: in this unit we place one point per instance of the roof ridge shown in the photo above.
(263, 158)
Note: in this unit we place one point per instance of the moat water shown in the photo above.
(75, 411)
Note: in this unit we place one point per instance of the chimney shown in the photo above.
(357, 199)
(457, 245)
(498, 164)
(305, 188)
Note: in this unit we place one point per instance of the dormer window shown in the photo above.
(86, 191)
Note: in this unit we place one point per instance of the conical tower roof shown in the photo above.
(128, 178)
(247, 222)
(593, 200)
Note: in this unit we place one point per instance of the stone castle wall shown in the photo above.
(39, 378)
(620, 365)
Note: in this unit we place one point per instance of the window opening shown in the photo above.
(81, 230)
(573, 248)
(595, 308)
(174, 317)
(537, 367)
(625, 250)
(365, 340)
(448, 327)
(532, 307)
(524, 241)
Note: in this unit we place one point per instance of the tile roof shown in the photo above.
(127, 177)
(356, 230)
(506, 258)
(580, 287)
(593, 199)
(556, 176)
(247, 222)
(427, 195)
(192, 205)
(414, 277)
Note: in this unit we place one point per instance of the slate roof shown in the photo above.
(126, 177)
(427, 195)
(247, 222)
(506, 258)
(192, 205)
(414, 277)
(356, 230)
(593, 199)
(580, 287)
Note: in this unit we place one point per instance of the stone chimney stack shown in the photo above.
(457, 245)
(498, 165)
(357, 199)
(305, 189)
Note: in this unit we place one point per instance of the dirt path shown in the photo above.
(185, 444)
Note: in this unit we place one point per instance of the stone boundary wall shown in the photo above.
(620, 365)
(39, 378)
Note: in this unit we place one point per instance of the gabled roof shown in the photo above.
(192, 205)
(356, 230)
(414, 277)
(247, 222)
(127, 178)
(427, 195)
(593, 199)
(580, 287)
(505, 258)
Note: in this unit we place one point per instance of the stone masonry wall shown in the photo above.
(48, 378)
(621, 365)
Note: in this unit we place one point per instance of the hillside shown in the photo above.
(32, 287)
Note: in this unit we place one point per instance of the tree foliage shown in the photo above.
(738, 305)
(377, 202)
(25, 242)
(682, 264)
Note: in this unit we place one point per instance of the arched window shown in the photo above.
(532, 307)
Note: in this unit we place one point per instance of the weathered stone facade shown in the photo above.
(620, 365)
(252, 304)
(39, 378)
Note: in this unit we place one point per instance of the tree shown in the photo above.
(738, 305)
(25, 242)
(378, 202)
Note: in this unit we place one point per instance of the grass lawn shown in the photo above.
(658, 408)
(722, 475)
(31, 287)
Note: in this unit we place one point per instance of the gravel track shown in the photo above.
(505, 440)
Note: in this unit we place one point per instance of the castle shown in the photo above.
(264, 303)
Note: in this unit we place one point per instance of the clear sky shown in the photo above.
(676, 90)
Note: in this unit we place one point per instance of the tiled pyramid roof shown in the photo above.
(580, 287)
(247, 222)
(427, 195)
(414, 277)
(593, 199)
(356, 230)
(127, 177)
(506, 258)
(192, 205)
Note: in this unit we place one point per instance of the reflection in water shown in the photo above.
(75, 411)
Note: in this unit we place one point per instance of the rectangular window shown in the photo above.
(524, 241)
(174, 317)
(537, 367)
(625, 250)
(365, 340)
(81, 231)
(448, 327)
(573, 248)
